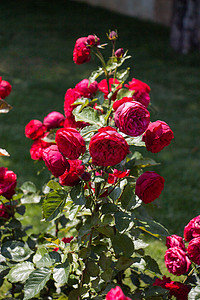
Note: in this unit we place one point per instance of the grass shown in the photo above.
(36, 44)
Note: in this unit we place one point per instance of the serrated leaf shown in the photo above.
(39, 254)
(123, 245)
(122, 75)
(52, 205)
(47, 260)
(36, 282)
(88, 115)
(152, 265)
(20, 272)
(128, 199)
(95, 74)
(77, 195)
(16, 250)
(54, 185)
(61, 272)
(153, 228)
(4, 107)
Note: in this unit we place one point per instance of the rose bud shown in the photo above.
(157, 136)
(72, 177)
(70, 142)
(113, 177)
(86, 176)
(194, 250)
(176, 261)
(34, 129)
(108, 147)
(119, 53)
(103, 87)
(93, 40)
(38, 146)
(81, 53)
(5, 88)
(55, 161)
(131, 117)
(53, 120)
(8, 182)
(175, 241)
(116, 294)
(113, 35)
(141, 91)
(85, 89)
(149, 186)
(192, 229)
(5, 212)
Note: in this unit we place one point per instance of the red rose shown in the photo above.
(72, 177)
(81, 53)
(132, 118)
(108, 147)
(176, 261)
(8, 182)
(85, 89)
(113, 177)
(149, 186)
(103, 87)
(54, 120)
(55, 161)
(194, 250)
(93, 40)
(5, 88)
(116, 294)
(141, 91)
(70, 142)
(34, 129)
(192, 229)
(175, 241)
(5, 212)
(157, 136)
(67, 240)
(37, 148)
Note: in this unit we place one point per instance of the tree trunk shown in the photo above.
(185, 27)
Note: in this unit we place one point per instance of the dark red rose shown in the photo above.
(157, 136)
(132, 118)
(113, 177)
(34, 129)
(72, 177)
(85, 89)
(194, 250)
(177, 261)
(141, 91)
(119, 53)
(55, 161)
(149, 186)
(70, 142)
(8, 182)
(53, 120)
(37, 148)
(113, 84)
(175, 241)
(192, 229)
(116, 294)
(108, 147)
(5, 88)
(81, 53)
(67, 240)
(86, 176)
(71, 96)
(93, 41)
(5, 212)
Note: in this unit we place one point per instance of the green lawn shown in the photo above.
(36, 44)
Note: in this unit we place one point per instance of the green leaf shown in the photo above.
(122, 75)
(39, 254)
(122, 220)
(128, 199)
(153, 228)
(61, 272)
(99, 179)
(152, 265)
(85, 157)
(14, 224)
(36, 282)
(28, 187)
(52, 205)
(21, 209)
(136, 141)
(20, 272)
(16, 250)
(48, 260)
(95, 74)
(123, 245)
(88, 115)
(194, 294)
(92, 268)
(108, 112)
(105, 261)
(54, 185)
(115, 194)
(124, 93)
(29, 199)
(124, 262)
(106, 230)
(77, 195)
(139, 244)
(108, 208)
(4, 107)
(107, 275)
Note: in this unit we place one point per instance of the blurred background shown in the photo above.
(37, 38)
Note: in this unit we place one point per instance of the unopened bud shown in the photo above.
(93, 40)
(86, 176)
(119, 53)
(113, 35)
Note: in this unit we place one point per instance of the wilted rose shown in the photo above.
(86, 89)
(5, 88)
(177, 261)
(116, 294)
(141, 91)
(131, 117)
(34, 129)
(70, 142)
(81, 53)
(55, 161)
(157, 136)
(108, 147)
(175, 241)
(53, 120)
(192, 229)
(72, 177)
(194, 250)
(149, 186)
(8, 182)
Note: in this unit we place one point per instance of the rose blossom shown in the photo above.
(116, 294)
(85, 89)
(103, 87)
(113, 177)
(81, 53)
(176, 261)
(34, 129)
(149, 186)
(55, 161)
(108, 147)
(141, 91)
(53, 120)
(132, 118)
(175, 241)
(67, 240)
(72, 177)
(194, 250)
(5, 213)
(38, 146)
(192, 229)
(70, 142)
(157, 136)
(5, 88)
(8, 182)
